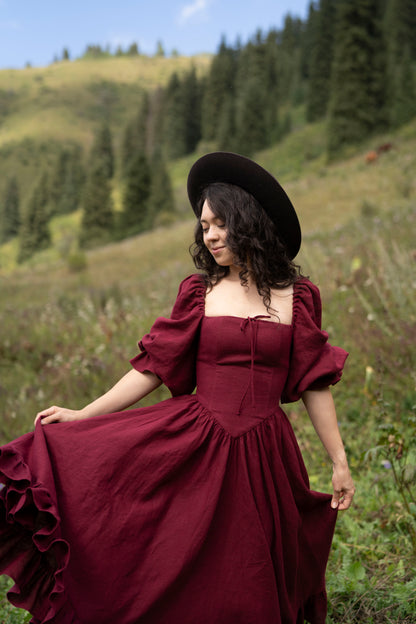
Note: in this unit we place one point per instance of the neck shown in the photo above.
(234, 276)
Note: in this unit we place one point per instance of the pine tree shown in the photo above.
(403, 106)
(135, 216)
(135, 134)
(67, 180)
(290, 61)
(321, 60)
(160, 50)
(97, 217)
(252, 99)
(161, 199)
(309, 39)
(358, 85)
(226, 132)
(191, 96)
(271, 85)
(218, 87)
(133, 49)
(10, 211)
(400, 28)
(155, 123)
(97, 224)
(174, 120)
(73, 182)
(34, 231)
(102, 149)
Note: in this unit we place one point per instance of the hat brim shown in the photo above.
(236, 169)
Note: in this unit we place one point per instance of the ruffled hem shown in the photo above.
(32, 551)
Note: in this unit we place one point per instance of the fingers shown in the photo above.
(346, 502)
(57, 414)
(342, 499)
(48, 415)
(343, 487)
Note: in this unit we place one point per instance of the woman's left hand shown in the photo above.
(344, 488)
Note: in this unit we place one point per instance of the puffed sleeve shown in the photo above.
(169, 349)
(314, 363)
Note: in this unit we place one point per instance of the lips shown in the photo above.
(215, 250)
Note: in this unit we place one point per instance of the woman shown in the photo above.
(198, 509)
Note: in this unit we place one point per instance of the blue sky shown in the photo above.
(36, 30)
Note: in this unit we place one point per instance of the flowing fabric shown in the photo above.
(195, 510)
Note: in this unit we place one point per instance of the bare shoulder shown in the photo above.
(282, 302)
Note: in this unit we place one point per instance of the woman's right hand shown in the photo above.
(58, 414)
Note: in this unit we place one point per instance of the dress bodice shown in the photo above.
(242, 366)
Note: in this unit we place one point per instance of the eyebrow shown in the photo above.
(214, 219)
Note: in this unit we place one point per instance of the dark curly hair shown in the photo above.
(252, 238)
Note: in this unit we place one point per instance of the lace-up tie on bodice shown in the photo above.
(249, 324)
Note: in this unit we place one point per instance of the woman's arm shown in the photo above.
(321, 410)
(127, 391)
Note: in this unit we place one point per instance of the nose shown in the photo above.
(212, 233)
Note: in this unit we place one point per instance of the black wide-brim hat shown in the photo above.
(245, 173)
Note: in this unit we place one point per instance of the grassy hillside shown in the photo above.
(64, 98)
(67, 335)
(42, 107)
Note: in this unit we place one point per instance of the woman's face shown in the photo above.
(215, 236)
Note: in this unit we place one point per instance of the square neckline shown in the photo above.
(257, 318)
(246, 318)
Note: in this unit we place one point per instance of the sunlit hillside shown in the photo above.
(43, 108)
(62, 100)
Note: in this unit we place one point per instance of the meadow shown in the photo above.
(67, 334)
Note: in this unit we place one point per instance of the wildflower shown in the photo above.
(386, 464)
(369, 371)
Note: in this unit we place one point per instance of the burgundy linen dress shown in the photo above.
(194, 511)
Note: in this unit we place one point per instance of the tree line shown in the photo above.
(350, 63)
(97, 51)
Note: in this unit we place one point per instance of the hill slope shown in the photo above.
(63, 100)
(41, 108)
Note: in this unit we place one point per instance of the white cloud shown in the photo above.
(197, 8)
